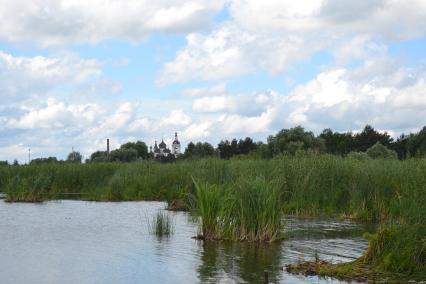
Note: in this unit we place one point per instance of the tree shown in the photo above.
(337, 143)
(123, 155)
(416, 145)
(246, 146)
(74, 157)
(400, 146)
(368, 137)
(379, 151)
(242, 147)
(48, 160)
(224, 148)
(139, 146)
(293, 139)
(4, 163)
(99, 157)
(199, 150)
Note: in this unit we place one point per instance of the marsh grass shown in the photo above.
(249, 211)
(238, 199)
(161, 224)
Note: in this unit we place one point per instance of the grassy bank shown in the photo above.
(390, 192)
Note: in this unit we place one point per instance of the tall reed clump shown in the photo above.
(30, 189)
(161, 224)
(249, 210)
(254, 210)
(207, 204)
(400, 243)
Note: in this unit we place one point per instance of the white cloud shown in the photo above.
(273, 35)
(212, 104)
(379, 92)
(176, 118)
(230, 51)
(395, 19)
(344, 100)
(215, 90)
(25, 76)
(247, 125)
(200, 130)
(52, 22)
(243, 104)
(55, 114)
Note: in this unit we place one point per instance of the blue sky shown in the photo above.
(74, 73)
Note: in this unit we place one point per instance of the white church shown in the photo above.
(161, 149)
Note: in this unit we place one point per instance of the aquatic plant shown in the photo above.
(208, 204)
(161, 224)
(30, 189)
(390, 192)
(248, 211)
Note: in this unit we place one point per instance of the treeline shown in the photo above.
(369, 143)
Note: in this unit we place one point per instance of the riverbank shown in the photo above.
(351, 271)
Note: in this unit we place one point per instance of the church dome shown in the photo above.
(162, 145)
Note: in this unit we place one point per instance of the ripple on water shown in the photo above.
(95, 242)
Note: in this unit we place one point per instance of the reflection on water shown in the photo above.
(93, 242)
(239, 262)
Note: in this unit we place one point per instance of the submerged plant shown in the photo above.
(161, 224)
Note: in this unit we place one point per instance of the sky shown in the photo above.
(75, 72)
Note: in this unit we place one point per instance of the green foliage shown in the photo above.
(199, 150)
(207, 203)
(378, 151)
(337, 143)
(416, 145)
(248, 211)
(139, 146)
(294, 139)
(123, 155)
(74, 157)
(40, 161)
(29, 189)
(242, 147)
(368, 137)
(360, 156)
(234, 195)
(99, 157)
(161, 224)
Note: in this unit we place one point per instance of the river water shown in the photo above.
(94, 242)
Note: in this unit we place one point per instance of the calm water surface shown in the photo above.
(94, 242)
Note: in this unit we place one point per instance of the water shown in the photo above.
(94, 242)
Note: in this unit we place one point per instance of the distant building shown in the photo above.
(161, 149)
(176, 146)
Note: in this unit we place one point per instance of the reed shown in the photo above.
(238, 198)
(161, 224)
(248, 211)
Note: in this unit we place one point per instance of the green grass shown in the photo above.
(239, 198)
(250, 210)
(161, 224)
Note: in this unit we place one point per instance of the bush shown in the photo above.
(379, 151)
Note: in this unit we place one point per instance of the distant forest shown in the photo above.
(369, 143)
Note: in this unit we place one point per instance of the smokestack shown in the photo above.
(107, 146)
